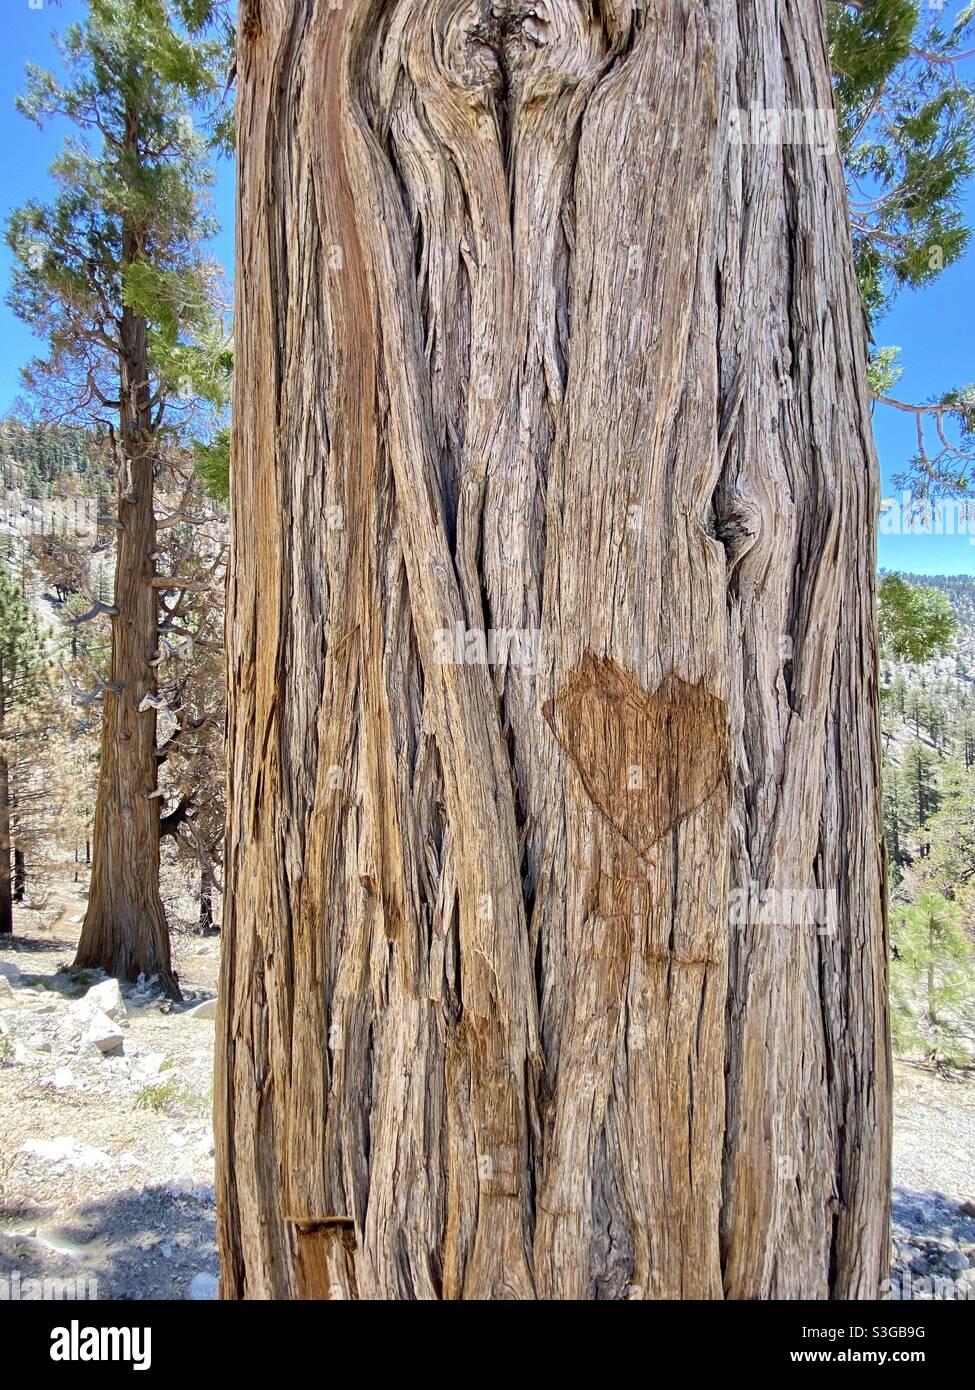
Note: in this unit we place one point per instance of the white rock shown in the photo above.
(203, 1286)
(39, 1043)
(66, 1150)
(65, 1080)
(208, 1009)
(106, 997)
(103, 1033)
(5, 990)
(205, 1146)
(152, 1063)
(77, 1016)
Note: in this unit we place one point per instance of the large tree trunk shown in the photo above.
(528, 339)
(125, 930)
(6, 882)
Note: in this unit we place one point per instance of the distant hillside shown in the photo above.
(35, 458)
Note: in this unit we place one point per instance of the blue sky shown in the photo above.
(933, 328)
(26, 153)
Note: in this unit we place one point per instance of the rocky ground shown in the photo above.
(934, 1184)
(106, 1150)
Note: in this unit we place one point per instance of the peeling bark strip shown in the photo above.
(528, 340)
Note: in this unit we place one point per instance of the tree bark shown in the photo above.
(531, 340)
(6, 883)
(125, 930)
(20, 876)
(6, 894)
(206, 904)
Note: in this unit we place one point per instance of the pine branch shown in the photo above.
(108, 608)
(83, 699)
(172, 581)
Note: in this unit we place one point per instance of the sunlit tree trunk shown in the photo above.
(6, 881)
(125, 930)
(535, 337)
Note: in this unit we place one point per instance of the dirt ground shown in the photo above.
(106, 1160)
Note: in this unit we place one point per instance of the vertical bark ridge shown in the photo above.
(253, 1067)
(484, 1243)
(797, 497)
(635, 976)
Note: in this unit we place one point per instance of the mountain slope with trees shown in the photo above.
(929, 822)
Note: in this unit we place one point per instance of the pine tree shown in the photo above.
(915, 623)
(915, 709)
(967, 738)
(21, 665)
(936, 721)
(111, 273)
(892, 822)
(919, 791)
(933, 980)
(906, 126)
(898, 694)
(950, 865)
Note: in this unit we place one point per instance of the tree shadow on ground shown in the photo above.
(136, 1244)
(34, 944)
(932, 1214)
(63, 980)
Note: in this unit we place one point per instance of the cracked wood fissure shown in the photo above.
(528, 341)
